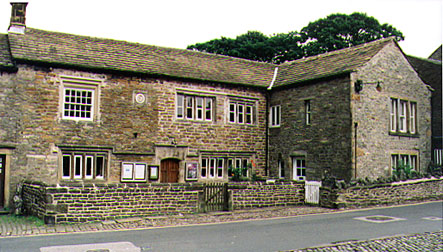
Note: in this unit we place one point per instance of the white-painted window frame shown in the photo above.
(275, 116)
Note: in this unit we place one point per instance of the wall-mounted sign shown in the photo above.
(192, 171)
(133, 172)
(153, 172)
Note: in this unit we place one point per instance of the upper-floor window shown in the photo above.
(241, 112)
(403, 116)
(79, 99)
(308, 112)
(275, 116)
(80, 165)
(191, 107)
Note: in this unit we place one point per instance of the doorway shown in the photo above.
(169, 171)
(2, 179)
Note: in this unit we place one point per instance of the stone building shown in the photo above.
(351, 113)
(83, 110)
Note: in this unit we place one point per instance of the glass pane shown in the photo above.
(100, 166)
(66, 166)
(89, 164)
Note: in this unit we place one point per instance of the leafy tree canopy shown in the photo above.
(334, 32)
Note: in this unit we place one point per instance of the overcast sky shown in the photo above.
(179, 23)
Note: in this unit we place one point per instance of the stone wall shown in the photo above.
(326, 142)
(383, 194)
(371, 109)
(86, 203)
(256, 195)
(32, 122)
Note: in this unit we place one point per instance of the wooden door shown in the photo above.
(169, 171)
(2, 179)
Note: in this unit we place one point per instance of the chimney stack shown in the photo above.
(18, 18)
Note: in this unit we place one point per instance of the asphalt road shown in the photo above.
(261, 235)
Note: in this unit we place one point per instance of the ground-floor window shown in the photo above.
(438, 157)
(84, 165)
(219, 167)
(281, 169)
(408, 162)
(299, 168)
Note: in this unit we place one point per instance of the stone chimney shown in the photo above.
(18, 18)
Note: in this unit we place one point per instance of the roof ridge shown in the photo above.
(155, 46)
(339, 51)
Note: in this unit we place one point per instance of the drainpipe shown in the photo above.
(355, 149)
(268, 101)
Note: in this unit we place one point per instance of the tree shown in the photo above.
(339, 31)
(334, 32)
(255, 45)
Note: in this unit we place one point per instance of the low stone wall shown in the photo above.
(256, 195)
(383, 194)
(86, 203)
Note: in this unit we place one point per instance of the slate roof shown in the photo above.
(329, 64)
(430, 71)
(6, 62)
(63, 49)
(436, 55)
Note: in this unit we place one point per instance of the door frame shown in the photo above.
(6, 151)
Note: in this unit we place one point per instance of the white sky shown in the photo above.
(179, 23)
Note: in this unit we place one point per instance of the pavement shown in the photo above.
(11, 227)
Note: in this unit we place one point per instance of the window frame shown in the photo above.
(403, 116)
(308, 112)
(241, 112)
(192, 107)
(412, 159)
(81, 158)
(79, 84)
(275, 116)
(296, 168)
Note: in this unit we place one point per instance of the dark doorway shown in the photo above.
(2, 179)
(169, 171)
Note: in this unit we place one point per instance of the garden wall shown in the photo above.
(86, 203)
(382, 194)
(255, 195)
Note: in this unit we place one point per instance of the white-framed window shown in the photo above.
(217, 167)
(394, 112)
(438, 156)
(134, 172)
(275, 116)
(191, 107)
(84, 165)
(403, 116)
(299, 168)
(241, 112)
(412, 117)
(405, 160)
(79, 98)
(308, 112)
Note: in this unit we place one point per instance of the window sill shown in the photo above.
(401, 134)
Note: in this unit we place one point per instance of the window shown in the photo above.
(84, 166)
(403, 116)
(281, 169)
(217, 167)
(191, 107)
(299, 168)
(404, 160)
(79, 98)
(275, 116)
(241, 112)
(308, 112)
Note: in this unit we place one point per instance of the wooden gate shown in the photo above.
(215, 196)
(312, 192)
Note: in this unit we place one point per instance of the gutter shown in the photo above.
(273, 78)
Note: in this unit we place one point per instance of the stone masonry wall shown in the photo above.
(103, 202)
(384, 194)
(371, 112)
(326, 142)
(256, 195)
(130, 132)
